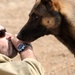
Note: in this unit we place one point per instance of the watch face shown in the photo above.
(21, 47)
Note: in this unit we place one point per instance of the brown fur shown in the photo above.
(55, 17)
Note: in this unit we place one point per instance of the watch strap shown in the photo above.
(22, 46)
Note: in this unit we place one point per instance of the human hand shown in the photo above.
(27, 53)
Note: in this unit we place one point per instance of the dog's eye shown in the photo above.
(36, 17)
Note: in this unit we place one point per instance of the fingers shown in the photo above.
(15, 41)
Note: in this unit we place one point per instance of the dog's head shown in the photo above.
(43, 18)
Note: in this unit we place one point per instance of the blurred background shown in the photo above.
(50, 52)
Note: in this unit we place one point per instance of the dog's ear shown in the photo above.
(35, 6)
(37, 3)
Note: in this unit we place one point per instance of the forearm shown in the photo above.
(28, 53)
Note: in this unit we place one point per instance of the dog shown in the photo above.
(56, 17)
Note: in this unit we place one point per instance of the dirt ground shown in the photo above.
(53, 55)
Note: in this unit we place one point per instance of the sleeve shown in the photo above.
(26, 67)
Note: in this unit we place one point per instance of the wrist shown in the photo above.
(27, 53)
(23, 46)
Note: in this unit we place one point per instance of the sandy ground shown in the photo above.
(53, 55)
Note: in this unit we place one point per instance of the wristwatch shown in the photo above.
(22, 46)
